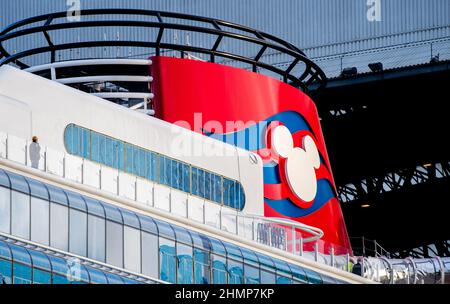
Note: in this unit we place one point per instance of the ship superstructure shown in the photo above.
(107, 177)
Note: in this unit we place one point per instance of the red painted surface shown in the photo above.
(183, 87)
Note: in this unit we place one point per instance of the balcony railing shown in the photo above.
(282, 234)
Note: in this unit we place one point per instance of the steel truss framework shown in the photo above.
(301, 71)
(393, 181)
(441, 249)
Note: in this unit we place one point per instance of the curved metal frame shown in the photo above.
(311, 74)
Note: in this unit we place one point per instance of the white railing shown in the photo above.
(121, 94)
(283, 234)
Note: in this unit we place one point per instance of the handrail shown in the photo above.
(316, 232)
(310, 72)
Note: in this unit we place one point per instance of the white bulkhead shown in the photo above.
(34, 106)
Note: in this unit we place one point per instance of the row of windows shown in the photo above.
(68, 221)
(19, 265)
(153, 166)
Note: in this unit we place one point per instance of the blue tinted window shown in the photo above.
(130, 218)
(236, 196)
(201, 267)
(20, 254)
(175, 178)
(60, 279)
(102, 149)
(128, 158)
(235, 272)
(78, 273)
(282, 268)
(112, 213)
(135, 169)
(194, 179)
(95, 147)
(113, 279)
(208, 189)
(167, 171)
(267, 277)
(149, 169)
(4, 180)
(228, 192)
(41, 277)
(130, 281)
(76, 201)
(118, 155)
(39, 260)
(5, 253)
(185, 256)
(219, 270)
(217, 197)
(97, 276)
(109, 152)
(249, 256)
(266, 262)
(200, 241)
(38, 189)
(299, 274)
(154, 170)
(233, 251)
(186, 178)
(68, 135)
(22, 274)
(182, 235)
(201, 182)
(57, 195)
(329, 280)
(59, 265)
(251, 274)
(18, 183)
(85, 143)
(165, 230)
(217, 247)
(76, 140)
(147, 224)
(313, 277)
(241, 199)
(142, 163)
(94, 207)
(283, 280)
(167, 260)
(5, 271)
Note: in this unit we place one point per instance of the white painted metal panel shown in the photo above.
(161, 195)
(229, 219)
(54, 161)
(17, 149)
(212, 214)
(196, 208)
(178, 202)
(73, 168)
(3, 140)
(245, 228)
(91, 174)
(127, 185)
(109, 179)
(144, 191)
(45, 97)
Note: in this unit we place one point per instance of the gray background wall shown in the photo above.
(323, 28)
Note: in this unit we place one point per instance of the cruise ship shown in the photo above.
(190, 164)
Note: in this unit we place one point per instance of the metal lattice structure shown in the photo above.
(301, 72)
(393, 181)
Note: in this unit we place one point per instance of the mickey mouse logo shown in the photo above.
(299, 163)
